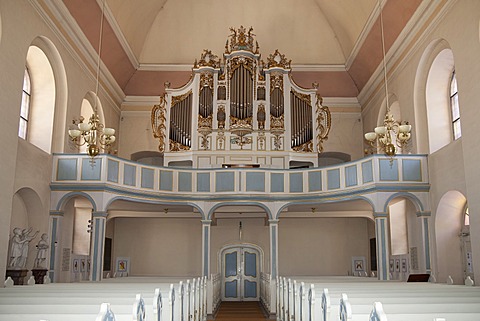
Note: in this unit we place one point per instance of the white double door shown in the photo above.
(240, 275)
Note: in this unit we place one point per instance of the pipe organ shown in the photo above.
(240, 109)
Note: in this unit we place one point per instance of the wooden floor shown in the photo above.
(240, 311)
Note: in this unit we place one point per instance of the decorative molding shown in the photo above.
(341, 102)
(119, 34)
(427, 16)
(295, 67)
(319, 68)
(140, 100)
(363, 35)
(60, 21)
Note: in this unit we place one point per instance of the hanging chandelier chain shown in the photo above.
(384, 55)
(99, 55)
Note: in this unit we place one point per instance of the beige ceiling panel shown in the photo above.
(299, 29)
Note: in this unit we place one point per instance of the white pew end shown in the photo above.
(157, 305)
(449, 280)
(345, 308)
(106, 314)
(138, 308)
(326, 305)
(377, 313)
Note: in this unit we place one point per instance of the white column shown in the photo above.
(97, 245)
(273, 224)
(383, 251)
(206, 225)
(55, 259)
(426, 239)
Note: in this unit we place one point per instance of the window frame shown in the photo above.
(454, 107)
(26, 104)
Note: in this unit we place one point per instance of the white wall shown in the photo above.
(321, 246)
(160, 246)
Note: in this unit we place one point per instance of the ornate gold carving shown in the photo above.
(177, 147)
(278, 60)
(158, 120)
(204, 122)
(177, 99)
(240, 122)
(277, 123)
(206, 80)
(205, 129)
(304, 97)
(207, 59)
(221, 116)
(261, 116)
(241, 39)
(305, 147)
(239, 61)
(324, 122)
(276, 81)
(261, 140)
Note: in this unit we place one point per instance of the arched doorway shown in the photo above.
(449, 237)
(240, 270)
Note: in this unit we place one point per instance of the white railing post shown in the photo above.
(311, 303)
(325, 305)
(138, 308)
(157, 305)
(105, 314)
(171, 303)
(377, 313)
(345, 308)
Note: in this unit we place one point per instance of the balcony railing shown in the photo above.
(405, 172)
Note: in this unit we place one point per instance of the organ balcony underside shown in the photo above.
(240, 110)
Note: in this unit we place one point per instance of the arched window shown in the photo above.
(25, 107)
(457, 131)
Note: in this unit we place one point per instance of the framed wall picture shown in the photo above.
(358, 264)
(397, 265)
(122, 265)
(76, 265)
(404, 265)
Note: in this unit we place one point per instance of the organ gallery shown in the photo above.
(241, 108)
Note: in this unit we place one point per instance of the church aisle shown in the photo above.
(240, 311)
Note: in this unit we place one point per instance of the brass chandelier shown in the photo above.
(93, 133)
(393, 133)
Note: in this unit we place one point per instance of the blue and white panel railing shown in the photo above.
(374, 171)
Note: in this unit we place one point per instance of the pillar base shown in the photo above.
(17, 275)
(38, 274)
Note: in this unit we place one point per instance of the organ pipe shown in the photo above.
(301, 115)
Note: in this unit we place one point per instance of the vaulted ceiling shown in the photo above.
(334, 42)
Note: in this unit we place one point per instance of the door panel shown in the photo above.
(240, 274)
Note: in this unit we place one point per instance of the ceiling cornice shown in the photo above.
(119, 34)
(363, 35)
(423, 22)
(58, 18)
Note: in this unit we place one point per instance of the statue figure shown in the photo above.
(16, 249)
(42, 247)
(19, 248)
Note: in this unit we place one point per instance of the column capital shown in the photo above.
(56, 213)
(273, 221)
(424, 214)
(99, 214)
(380, 214)
(206, 222)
